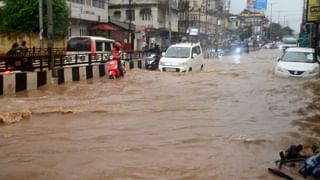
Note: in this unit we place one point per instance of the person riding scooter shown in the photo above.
(153, 57)
(117, 55)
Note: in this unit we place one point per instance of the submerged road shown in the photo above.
(227, 122)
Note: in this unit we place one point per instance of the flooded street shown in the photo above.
(227, 122)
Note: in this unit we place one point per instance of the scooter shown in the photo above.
(113, 70)
(152, 61)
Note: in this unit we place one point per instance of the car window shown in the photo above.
(178, 52)
(194, 51)
(198, 50)
(299, 57)
(107, 46)
(99, 45)
(79, 44)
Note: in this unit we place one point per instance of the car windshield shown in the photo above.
(178, 52)
(304, 57)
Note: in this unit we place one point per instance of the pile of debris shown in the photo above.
(308, 158)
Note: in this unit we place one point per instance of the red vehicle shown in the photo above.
(113, 69)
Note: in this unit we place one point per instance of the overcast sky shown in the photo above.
(288, 12)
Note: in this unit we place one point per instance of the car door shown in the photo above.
(198, 59)
(193, 59)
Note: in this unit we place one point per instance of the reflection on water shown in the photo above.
(226, 122)
(236, 58)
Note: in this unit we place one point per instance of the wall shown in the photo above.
(10, 83)
(89, 12)
(32, 39)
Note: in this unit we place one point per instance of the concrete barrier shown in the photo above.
(13, 82)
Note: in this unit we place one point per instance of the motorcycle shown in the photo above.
(152, 61)
(113, 70)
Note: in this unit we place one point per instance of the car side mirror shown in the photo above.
(163, 54)
(194, 55)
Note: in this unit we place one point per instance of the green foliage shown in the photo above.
(286, 31)
(23, 16)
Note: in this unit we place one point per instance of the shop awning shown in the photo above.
(104, 27)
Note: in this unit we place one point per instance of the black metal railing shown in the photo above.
(33, 59)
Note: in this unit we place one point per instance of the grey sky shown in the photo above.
(288, 12)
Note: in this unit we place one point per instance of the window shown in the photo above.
(77, 1)
(128, 14)
(196, 50)
(79, 44)
(117, 14)
(178, 52)
(99, 46)
(98, 3)
(107, 46)
(145, 14)
(304, 57)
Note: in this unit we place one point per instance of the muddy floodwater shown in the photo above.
(227, 122)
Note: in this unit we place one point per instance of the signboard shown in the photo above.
(193, 31)
(257, 4)
(313, 10)
(261, 4)
(251, 4)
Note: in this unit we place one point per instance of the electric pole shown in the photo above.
(129, 32)
(50, 36)
(270, 28)
(206, 23)
(41, 26)
(169, 12)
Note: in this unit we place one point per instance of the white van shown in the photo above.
(98, 48)
(182, 57)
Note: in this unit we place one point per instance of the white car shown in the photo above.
(298, 62)
(182, 57)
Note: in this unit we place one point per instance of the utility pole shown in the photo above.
(169, 12)
(129, 32)
(206, 25)
(41, 26)
(304, 15)
(270, 28)
(199, 21)
(50, 36)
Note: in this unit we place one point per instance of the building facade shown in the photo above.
(85, 15)
(155, 20)
(207, 16)
(257, 20)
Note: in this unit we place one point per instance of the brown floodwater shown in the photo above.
(227, 122)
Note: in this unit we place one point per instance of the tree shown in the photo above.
(23, 16)
(276, 31)
(287, 31)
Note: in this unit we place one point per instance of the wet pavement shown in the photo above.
(227, 122)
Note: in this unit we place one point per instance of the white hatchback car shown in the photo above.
(298, 62)
(182, 57)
